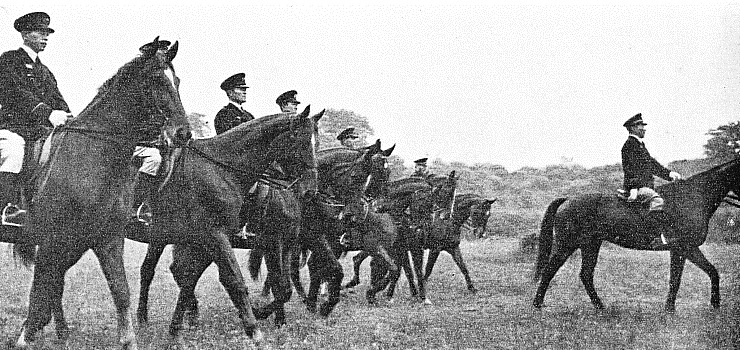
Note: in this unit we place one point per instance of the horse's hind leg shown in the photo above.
(458, 259)
(380, 258)
(589, 257)
(110, 257)
(147, 270)
(356, 264)
(553, 265)
(696, 256)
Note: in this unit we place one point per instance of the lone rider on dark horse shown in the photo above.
(639, 168)
(31, 105)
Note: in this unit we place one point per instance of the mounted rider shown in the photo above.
(639, 168)
(30, 105)
(233, 113)
(148, 154)
(420, 168)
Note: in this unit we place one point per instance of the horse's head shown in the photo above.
(480, 211)
(379, 172)
(296, 150)
(142, 100)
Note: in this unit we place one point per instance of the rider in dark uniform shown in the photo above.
(233, 114)
(420, 168)
(30, 101)
(639, 168)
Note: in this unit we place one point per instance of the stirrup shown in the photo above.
(244, 233)
(13, 215)
(144, 214)
(344, 240)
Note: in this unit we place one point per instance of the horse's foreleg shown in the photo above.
(696, 256)
(295, 274)
(356, 263)
(47, 289)
(275, 258)
(431, 260)
(589, 258)
(147, 270)
(553, 265)
(417, 254)
(231, 278)
(110, 257)
(458, 259)
(188, 264)
(381, 258)
(678, 260)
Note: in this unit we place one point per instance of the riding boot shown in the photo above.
(661, 225)
(12, 214)
(8, 188)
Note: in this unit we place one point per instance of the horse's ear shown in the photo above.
(490, 201)
(318, 116)
(388, 152)
(172, 52)
(452, 174)
(305, 112)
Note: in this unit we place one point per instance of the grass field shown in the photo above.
(632, 284)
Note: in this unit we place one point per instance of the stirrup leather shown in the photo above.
(13, 215)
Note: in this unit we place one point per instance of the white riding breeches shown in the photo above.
(12, 150)
(645, 194)
(150, 159)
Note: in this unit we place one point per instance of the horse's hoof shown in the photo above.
(258, 336)
(537, 305)
(427, 301)
(473, 289)
(177, 342)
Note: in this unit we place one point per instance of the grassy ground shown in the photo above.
(632, 284)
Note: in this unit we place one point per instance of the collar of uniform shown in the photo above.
(239, 107)
(32, 54)
(637, 138)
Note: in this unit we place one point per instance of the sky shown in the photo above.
(502, 83)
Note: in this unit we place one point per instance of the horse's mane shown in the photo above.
(125, 74)
(701, 177)
(466, 200)
(406, 186)
(233, 142)
(436, 180)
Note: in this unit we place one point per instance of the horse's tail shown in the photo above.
(546, 231)
(255, 263)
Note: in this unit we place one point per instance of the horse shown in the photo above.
(80, 201)
(413, 203)
(445, 234)
(199, 207)
(585, 221)
(348, 176)
(279, 227)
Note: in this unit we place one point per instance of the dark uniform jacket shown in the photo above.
(28, 94)
(639, 167)
(229, 117)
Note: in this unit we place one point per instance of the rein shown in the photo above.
(264, 178)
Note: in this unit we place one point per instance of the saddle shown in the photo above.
(641, 202)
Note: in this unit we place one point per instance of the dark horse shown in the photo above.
(413, 203)
(79, 202)
(346, 178)
(199, 208)
(585, 221)
(445, 234)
